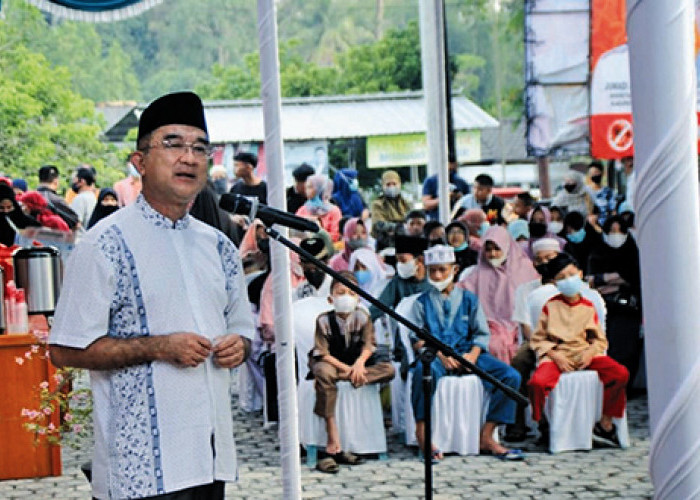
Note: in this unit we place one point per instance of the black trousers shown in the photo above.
(211, 491)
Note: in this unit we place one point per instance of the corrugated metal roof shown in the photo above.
(336, 117)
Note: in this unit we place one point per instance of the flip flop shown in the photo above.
(511, 455)
(327, 465)
(347, 458)
(434, 457)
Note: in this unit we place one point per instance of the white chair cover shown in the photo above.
(458, 407)
(573, 408)
(358, 414)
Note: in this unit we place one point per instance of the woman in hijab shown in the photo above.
(538, 224)
(502, 268)
(576, 196)
(318, 206)
(519, 230)
(354, 237)
(38, 208)
(369, 270)
(346, 195)
(581, 238)
(107, 204)
(457, 238)
(614, 272)
(13, 217)
(475, 220)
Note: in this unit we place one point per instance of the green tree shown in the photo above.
(41, 119)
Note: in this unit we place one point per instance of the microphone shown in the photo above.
(239, 204)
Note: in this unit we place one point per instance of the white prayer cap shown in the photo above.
(546, 244)
(439, 254)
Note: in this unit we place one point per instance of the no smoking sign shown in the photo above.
(620, 135)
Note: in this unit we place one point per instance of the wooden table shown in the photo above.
(21, 455)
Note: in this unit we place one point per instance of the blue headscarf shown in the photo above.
(348, 199)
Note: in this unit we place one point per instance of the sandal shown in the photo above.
(347, 458)
(435, 457)
(327, 465)
(510, 455)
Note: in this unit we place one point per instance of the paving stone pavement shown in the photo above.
(600, 473)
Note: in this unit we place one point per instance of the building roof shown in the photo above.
(325, 117)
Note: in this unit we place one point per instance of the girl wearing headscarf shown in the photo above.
(369, 270)
(614, 270)
(354, 237)
(457, 232)
(318, 206)
(519, 230)
(502, 268)
(38, 208)
(107, 204)
(345, 194)
(576, 196)
(538, 224)
(475, 220)
(11, 216)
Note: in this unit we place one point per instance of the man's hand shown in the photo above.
(344, 372)
(358, 373)
(240, 220)
(564, 364)
(471, 357)
(586, 358)
(230, 350)
(184, 349)
(450, 364)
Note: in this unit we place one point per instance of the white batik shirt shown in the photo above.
(159, 427)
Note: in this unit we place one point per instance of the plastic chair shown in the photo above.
(572, 409)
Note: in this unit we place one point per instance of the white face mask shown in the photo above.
(406, 270)
(344, 303)
(555, 226)
(441, 285)
(615, 240)
(498, 262)
(392, 191)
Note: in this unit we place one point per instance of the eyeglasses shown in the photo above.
(177, 147)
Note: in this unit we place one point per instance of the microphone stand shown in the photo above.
(430, 348)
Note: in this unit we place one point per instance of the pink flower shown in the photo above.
(51, 427)
(25, 412)
(41, 431)
(44, 385)
(28, 355)
(58, 377)
(68, 417)
(48, 410)
(19, 360)
(77, 428)
(35, 349)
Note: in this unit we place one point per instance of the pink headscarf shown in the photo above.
(495, 288)
(340, 261)
(473, 218)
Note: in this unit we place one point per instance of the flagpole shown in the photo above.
(284, 341)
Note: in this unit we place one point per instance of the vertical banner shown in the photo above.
(611, 109)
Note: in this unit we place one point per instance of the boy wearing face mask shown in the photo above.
(343, 347)
(569, 337)
(455, 317)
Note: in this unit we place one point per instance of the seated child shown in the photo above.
(569, 337)
(343, 347)
(455, 317)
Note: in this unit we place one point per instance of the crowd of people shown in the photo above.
(525, 289)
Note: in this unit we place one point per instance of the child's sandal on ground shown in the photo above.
(327, 465)
(347, 458)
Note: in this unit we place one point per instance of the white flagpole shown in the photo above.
(432, 42)
(284, 342)
(664, 93)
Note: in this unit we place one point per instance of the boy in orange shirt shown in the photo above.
(569, 337)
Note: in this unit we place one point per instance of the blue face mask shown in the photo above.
(570, 286)
(577, 237)
(315, 201)
(461, 247)
(363, 277)
(484, 227)
(353, 184)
